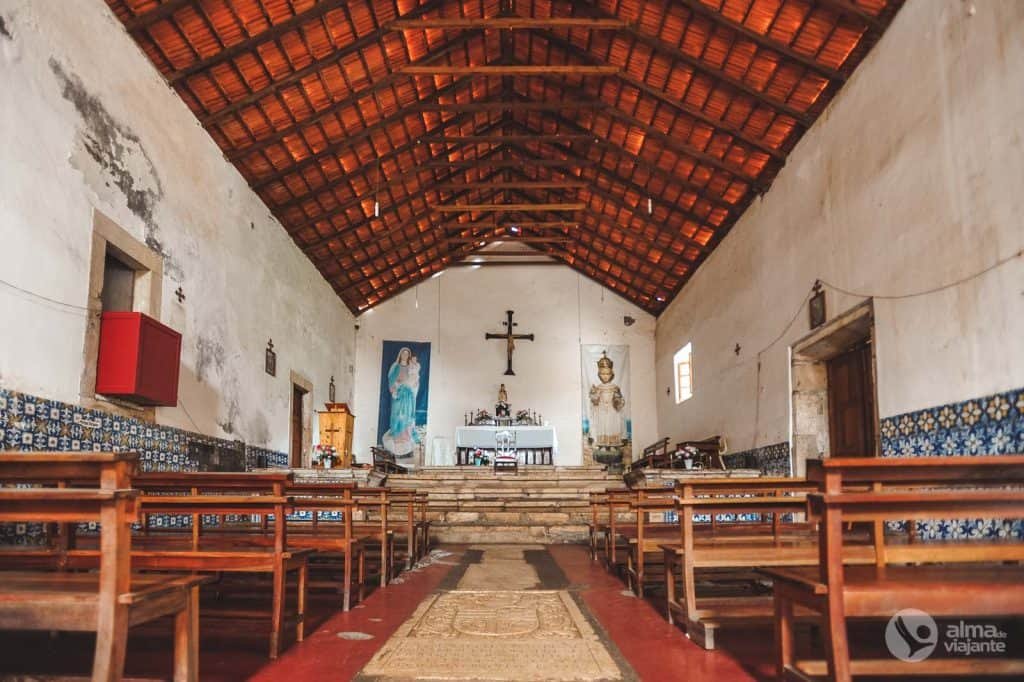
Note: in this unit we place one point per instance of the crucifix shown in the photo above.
(510, 338)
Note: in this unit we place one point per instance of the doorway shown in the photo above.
(851, 395)
(833, 377)
(298, 426)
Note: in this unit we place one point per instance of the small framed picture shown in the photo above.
(816, 309)
(271, 360)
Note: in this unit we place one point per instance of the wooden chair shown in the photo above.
(111, 600)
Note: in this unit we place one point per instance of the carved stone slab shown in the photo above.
(496, 635)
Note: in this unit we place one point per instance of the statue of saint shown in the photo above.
(606, 403)
(502, 409)
(404, 385)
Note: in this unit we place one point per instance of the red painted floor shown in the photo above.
(655, 650)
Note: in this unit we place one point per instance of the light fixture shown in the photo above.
(661, 299)
(475, 267)
(514, 229)
(376, 193)
(650, 206)
(437, 274)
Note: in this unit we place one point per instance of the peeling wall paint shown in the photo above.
(911, 180)
(88, 124)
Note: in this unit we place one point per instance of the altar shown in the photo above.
(534, 444)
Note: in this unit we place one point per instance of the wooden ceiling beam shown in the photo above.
(762, 40)
(490, 208)
(164, 10)
(352, 100)
(665, 98)
(520, 240)
(514, 105)
(272, 33)
(504, 23)
(851, 9)
(656, 44)
(614, 178)
(638, 161)
(630, 296)
(438, 241)
(431, 211)
(508, 254)
(559, 184)
(492, 264)
(640, 237)
(633, 293)
(391, 208)
(335, 148)
(669, 142)
(503, 163)
(364, 172)
(503, 138)
(505, 224)
(511, 70)
(317, 65)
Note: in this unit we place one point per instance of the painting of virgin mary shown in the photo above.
(403, 400)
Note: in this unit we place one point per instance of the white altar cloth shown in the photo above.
(527, 437)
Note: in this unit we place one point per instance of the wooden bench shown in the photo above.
(727, 552)
(250, 546)
(980, 585)
(655, 456)
(963, 578)
(111, 600)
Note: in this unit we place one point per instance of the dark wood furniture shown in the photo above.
(655, 456)
(959, 578)
(107, 601)
(384, 462)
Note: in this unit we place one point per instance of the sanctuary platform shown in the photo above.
(539, 504)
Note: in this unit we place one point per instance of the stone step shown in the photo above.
(508, 534)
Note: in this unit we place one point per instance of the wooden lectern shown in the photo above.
(336, 426)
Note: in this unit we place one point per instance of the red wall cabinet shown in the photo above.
(139, 359)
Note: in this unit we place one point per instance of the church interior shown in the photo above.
(511, 339)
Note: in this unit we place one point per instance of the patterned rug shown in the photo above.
(493, 626)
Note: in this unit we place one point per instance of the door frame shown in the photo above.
(809, 380)
(300, 459)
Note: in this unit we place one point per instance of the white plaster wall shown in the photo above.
(455, 310)
(86, 122)
(912, 179)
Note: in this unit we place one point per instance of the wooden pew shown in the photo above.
(252, 547)
(326, 539)
(981, 584)
(729, 551)
(111, 600)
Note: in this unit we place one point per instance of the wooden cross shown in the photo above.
(510, 339)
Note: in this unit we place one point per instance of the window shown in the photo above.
(684, 373)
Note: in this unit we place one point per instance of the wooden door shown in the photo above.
(298, 394)
(851, 403)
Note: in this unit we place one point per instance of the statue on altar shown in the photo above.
(606, 407)
(501, 408)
